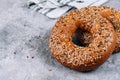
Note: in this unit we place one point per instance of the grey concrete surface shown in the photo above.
(24, 52)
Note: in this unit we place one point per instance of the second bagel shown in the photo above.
(110, 14)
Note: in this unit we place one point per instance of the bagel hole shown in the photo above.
(81, 37)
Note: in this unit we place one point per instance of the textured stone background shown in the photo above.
(24, 52)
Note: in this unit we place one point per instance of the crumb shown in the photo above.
(27, 56)
(25, 25)
(50, 69)
(14, 52)
(29, 40)
(32, 57)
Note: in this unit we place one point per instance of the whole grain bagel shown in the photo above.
(82, 58)
(110, 14)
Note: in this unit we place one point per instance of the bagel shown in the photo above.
(82, 58)
(110, 14)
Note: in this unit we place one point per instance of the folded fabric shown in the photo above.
(56, 8)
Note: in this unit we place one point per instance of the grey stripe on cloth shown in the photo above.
(56, 8)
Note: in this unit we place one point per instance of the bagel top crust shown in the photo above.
(78, 57)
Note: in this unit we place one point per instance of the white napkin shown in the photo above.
(56, 8)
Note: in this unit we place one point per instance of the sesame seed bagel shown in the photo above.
(78, 57)
(110, 14)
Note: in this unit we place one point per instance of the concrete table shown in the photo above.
(24, 52)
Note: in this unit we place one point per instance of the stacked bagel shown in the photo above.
(98, 28)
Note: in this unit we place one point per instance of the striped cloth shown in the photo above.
(56, 8)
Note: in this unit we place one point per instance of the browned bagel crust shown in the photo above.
(110, 14)
(77, 57)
